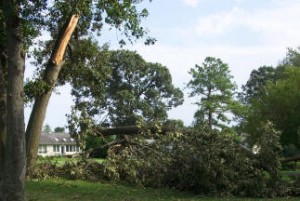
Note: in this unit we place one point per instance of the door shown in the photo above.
(62, 150)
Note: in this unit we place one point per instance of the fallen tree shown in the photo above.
(152, 131)
(199, 160)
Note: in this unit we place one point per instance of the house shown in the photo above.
(57, 144)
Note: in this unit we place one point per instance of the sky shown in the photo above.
(245, 34)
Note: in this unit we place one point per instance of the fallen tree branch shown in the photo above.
(289, 159)
(133, 130)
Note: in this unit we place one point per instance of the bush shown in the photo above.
(44, 169)
(83, 170)
(71, 169)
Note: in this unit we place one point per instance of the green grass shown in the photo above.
(64, 190)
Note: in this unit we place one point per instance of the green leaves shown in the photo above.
(124, 16)
(120, 87)
(200, 160)
(212, 82)
(138, 89)
(35, 88)
(277, 102)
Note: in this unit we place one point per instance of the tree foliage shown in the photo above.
(138, 89)
(280, 104)
(47, 128)
(272, 94)
(255, 85)
(133, 90)
(212, 82)
(59, 129)
(202, 160)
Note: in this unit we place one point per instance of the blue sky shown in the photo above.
(245, 34)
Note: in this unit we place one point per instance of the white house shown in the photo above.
(57, 144)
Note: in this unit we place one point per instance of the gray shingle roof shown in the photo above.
(57, 138)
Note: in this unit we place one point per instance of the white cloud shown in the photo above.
(219, 23)
(192, 3)
(277, 25)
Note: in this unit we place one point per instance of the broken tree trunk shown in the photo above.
(38, 113)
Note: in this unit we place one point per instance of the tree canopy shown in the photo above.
(133, 90)
(280, 104)
(272, 94)
(213, 83)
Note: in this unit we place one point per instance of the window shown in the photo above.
(56, 148)
(72, 148)
(42, 149)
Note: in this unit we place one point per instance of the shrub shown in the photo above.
(44, 169)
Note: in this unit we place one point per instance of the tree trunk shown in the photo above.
(210, 120)
(35, 124)
(3, 105)
(13, 181)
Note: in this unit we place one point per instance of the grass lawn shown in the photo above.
(64, 190)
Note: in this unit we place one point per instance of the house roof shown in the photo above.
(57, 138)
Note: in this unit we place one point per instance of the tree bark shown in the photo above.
(3, 106)
(13, 181)
(37, 117)
(209, 109)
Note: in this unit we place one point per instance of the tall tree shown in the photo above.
(52, 70)
(21, 21)
(137, 89)
(3, 84)
(270, 94)
(12, 138)
(212, 82)
(279, 104)
(134, 90)
(83, 17)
